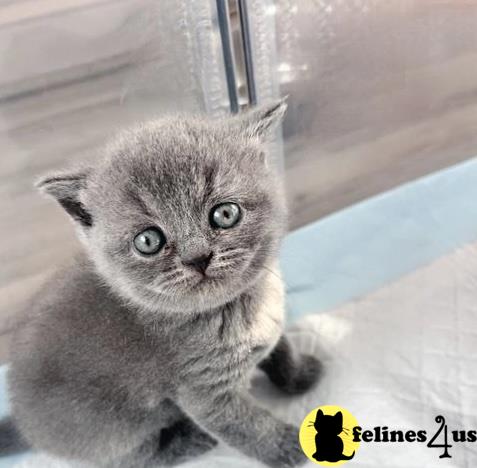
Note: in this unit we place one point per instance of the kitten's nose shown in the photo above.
(200, 262)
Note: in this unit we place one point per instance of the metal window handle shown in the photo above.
(237, 52)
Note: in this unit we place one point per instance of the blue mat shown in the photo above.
(365, 246)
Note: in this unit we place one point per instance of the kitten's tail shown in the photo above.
(347, 457)
(11, 441)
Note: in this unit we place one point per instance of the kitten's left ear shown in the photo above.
(263, 120)
(339, 417)
(65, 188)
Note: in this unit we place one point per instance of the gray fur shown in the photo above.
(133, 361)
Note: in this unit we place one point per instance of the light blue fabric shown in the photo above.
(359, 249)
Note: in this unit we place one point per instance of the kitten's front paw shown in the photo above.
(287, 452)
(183, 441)
(198, 445)
(306, 376)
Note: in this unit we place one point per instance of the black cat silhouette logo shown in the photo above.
(326, 435)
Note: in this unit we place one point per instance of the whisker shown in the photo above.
(232, 253)
(272, 272)
(171, 287)
(167, 270)
(230, 257)
(225, 265)
(164, 280)
(233, 250)
(229, 260)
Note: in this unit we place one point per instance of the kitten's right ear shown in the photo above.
(260, 122)
(65, 188)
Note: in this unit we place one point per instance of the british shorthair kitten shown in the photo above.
(139, 352)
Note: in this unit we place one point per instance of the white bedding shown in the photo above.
(398, 358)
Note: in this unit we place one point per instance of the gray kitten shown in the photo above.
(139, 353)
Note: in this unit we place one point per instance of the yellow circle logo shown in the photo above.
(326, 435)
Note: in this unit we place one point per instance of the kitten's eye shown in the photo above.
(225, 215)
(149, 241)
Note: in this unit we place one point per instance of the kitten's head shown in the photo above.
(182, 214)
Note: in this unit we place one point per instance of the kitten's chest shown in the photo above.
(268, 315)
(230, 345)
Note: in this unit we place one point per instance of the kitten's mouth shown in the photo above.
(206, 279)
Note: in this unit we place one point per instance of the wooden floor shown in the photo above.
(358, 124)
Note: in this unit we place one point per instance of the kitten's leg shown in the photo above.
(291, 372)
(171, 446)
(182, 441)
(244, 425)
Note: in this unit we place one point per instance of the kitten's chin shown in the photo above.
(202, 296)
(200, 301)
